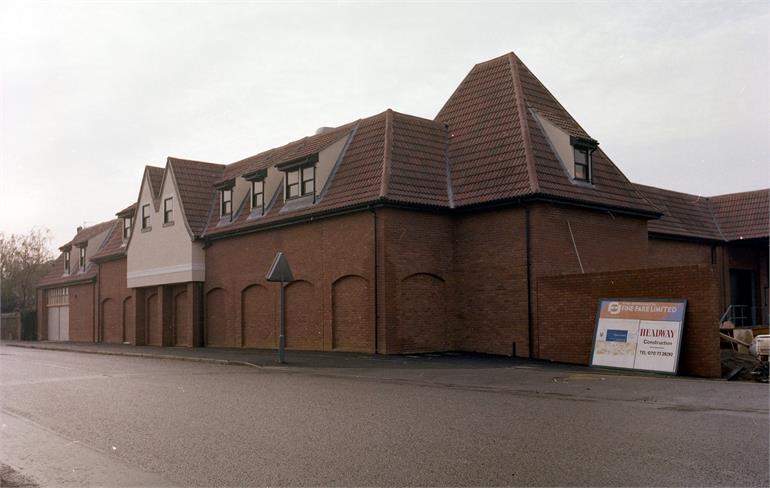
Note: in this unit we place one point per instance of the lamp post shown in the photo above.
(281, 273)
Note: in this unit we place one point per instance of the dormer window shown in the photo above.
(66, 262)
(258, 196)
(300, 182)
(582, 164)
(82, 258)
(226, 203)
(299, 177)
(582, 150)
(127, 223)
(146, 217)
(168, 211)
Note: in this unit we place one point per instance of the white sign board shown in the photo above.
(639, 334)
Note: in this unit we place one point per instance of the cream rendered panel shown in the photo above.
(560, 143)
(326, 161)
(272, 184)
(166, 254)
(241, 191)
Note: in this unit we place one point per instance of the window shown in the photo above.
(258, 195)
(582, 148)
(226, 203)
(127, 223)
(300, 182)
(145, 216)
(168, 211)
(66, 261)
(82, 258)
(56, 297)
(582, 164)
(292, 184)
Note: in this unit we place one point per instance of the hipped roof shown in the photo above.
(729, 217)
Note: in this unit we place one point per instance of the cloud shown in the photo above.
(677, 93)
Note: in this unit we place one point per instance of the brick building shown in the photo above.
(409, 235)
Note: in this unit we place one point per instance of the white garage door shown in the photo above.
(58, 314)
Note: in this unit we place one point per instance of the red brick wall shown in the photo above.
(605, 242)
(81, 313)
(567, 311)
(320, 254)
(665, 253)
(416, 283)
(491, 282)
(116, 316)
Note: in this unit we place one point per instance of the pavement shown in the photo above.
(73, 419)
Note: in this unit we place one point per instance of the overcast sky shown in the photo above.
(675, 92)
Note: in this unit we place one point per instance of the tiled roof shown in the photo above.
(156, 179)
(88, 232)
(293, 150)
(195, 184)
(419, 166)
(130, 210)
(389, 157)
(492, 149)
(683, 214)
(56, 276)
(113, 245)
(743, 215)
(498, 151)
(722, 218)
(357, 178)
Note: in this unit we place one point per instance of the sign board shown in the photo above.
(280, 271)
(641, 334)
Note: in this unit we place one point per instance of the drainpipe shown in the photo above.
(376, 295)
(530, 322)
(98, 293)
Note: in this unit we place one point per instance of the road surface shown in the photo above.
(71, 419)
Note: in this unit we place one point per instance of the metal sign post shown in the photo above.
(281, 273)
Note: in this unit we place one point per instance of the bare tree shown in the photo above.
(23, 259)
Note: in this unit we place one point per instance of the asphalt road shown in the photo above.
(71, 419)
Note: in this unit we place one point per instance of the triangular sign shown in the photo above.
(280, 270)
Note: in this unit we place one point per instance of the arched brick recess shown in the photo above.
(112, 327)
(127, 321)
(351, 314)
(182, 322)
(258, 317)
(217, 329)
(154, 325)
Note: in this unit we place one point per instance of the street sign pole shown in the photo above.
(282, 336)
(281, 273)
